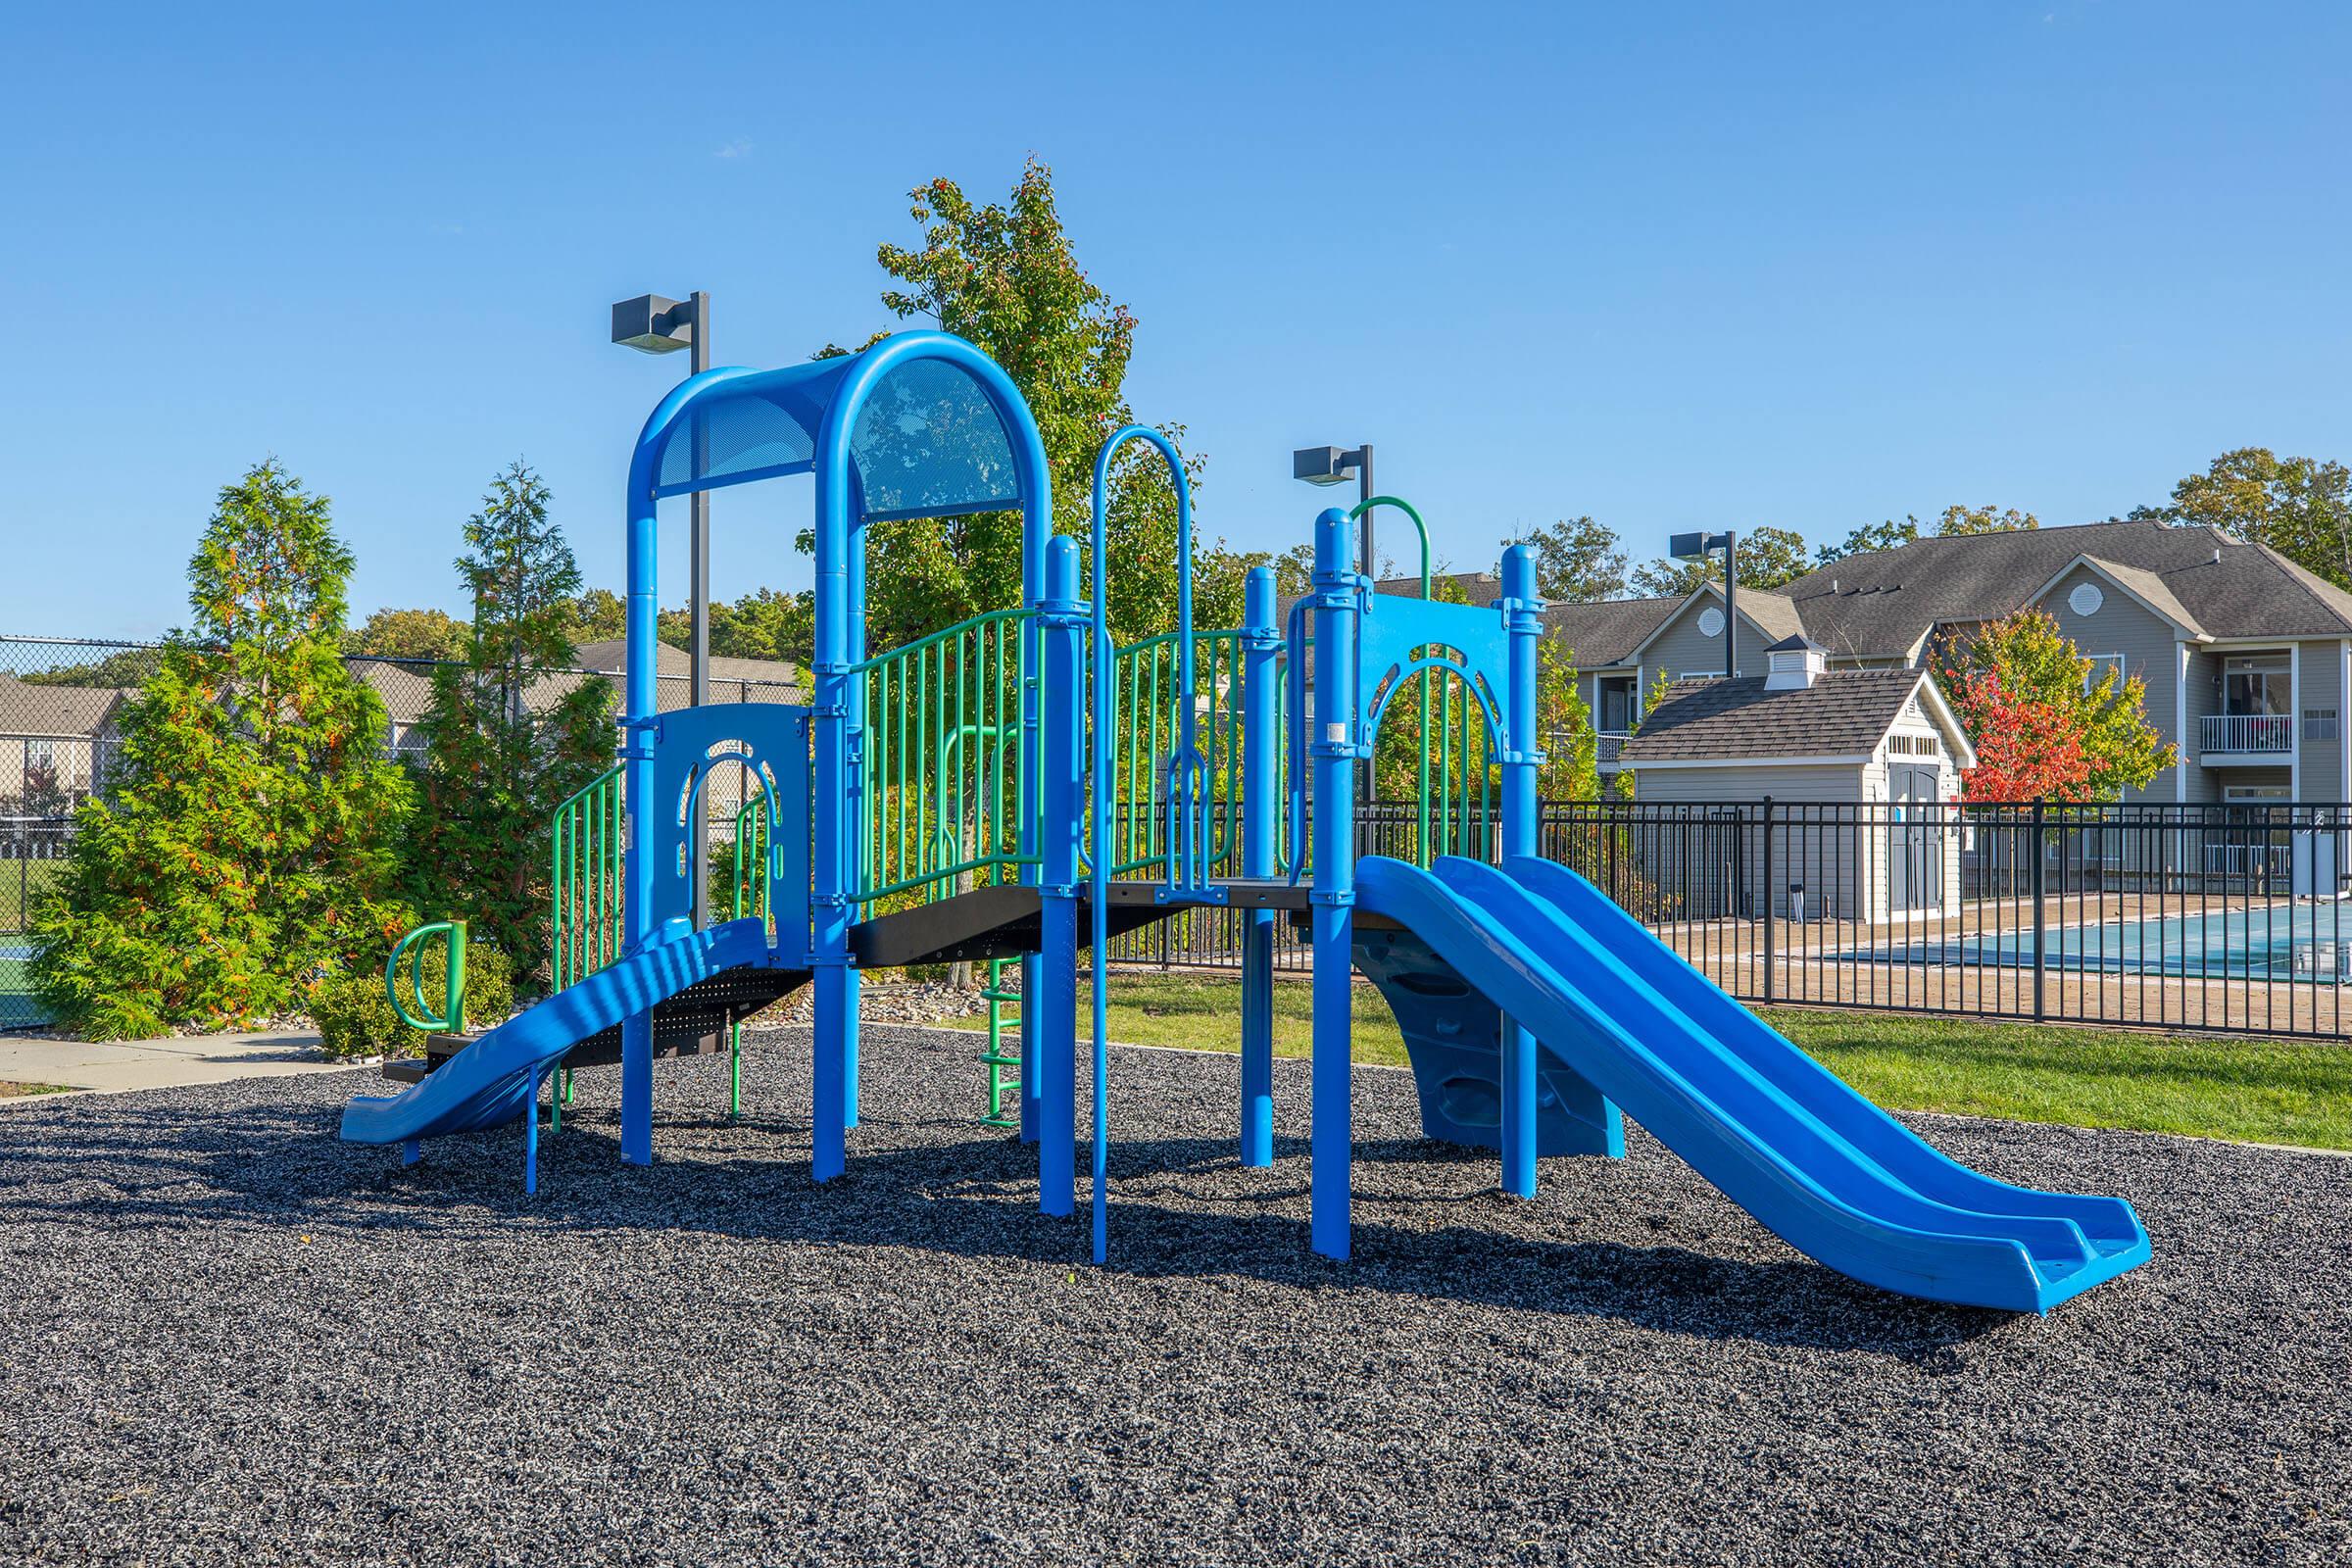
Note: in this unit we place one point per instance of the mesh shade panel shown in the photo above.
(928, 442)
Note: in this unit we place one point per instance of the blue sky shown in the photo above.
(1676, 266)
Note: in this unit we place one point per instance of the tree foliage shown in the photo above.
(2299, 506)
(1007, 278)
(505, 743)
(408, 634)
(1579, 561)
(1961, 520)
(2041, 726)
(1953, 520)
(249, 844)
(1768, 558)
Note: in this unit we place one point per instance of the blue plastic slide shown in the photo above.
(492, 1080)
(1774, 1130)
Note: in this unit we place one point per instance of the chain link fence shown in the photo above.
(63, 701)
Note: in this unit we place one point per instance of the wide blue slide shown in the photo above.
(1774, 1130)
(492, 1080)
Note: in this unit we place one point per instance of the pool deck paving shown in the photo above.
(120, 1066)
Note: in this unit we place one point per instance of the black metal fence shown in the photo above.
(2224, 917)
(2227, 918)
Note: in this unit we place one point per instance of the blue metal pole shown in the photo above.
(639, 709)
(835, 803)
(1335, 750)
(1261, 639)
(1521, 755)
(1061, 619)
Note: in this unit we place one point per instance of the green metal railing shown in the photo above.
(451, 1019)
(1146, 703)
(585, 918)
(586, 855)
(938, 812)
(1452, 745)
(751, 897)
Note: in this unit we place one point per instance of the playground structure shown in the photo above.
(930, 805)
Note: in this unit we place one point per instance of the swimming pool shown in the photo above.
(2308, 942)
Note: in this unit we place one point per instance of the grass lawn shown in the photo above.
(2254, 1090)
(14, 1091)
(22, 883)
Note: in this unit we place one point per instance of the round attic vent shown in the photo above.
(1710, 622)
(2085, 600)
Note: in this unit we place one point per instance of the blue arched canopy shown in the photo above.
(921, 424)
(929, 436)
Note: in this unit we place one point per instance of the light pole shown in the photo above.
(653, 325)
(1329, 466)
(1691, 546)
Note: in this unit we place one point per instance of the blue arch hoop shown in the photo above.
(821, 402)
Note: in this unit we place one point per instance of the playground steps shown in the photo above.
(695, 1022)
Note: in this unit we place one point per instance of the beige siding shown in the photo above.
(2323, 672)
(2148, 645)
(2204, 697)
(1682, 649)
(1693, 860)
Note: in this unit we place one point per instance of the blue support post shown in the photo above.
(1523, 625)
(1335, 750)
(1053, 1004)
(530, 1137)
(1262, 638)
(638, 729)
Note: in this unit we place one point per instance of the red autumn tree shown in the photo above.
(2026, 748)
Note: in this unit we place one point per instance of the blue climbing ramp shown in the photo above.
(1775, 1131)
(493, 1080)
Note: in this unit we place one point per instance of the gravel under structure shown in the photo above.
(228, 1337)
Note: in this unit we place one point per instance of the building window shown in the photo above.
(40, 764)
(2255, 684)
(2096, 667)
(2318, 723)
(1617, 698)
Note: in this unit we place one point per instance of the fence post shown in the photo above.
(2034, 880)
(1771, 884)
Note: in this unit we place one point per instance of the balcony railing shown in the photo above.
(2257, 733)
(1607, 745)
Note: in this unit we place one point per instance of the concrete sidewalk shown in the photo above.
(158, 1063)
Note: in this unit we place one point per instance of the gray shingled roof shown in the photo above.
(1883, 600)
(1602, 633)
(55, 713)
(1842, 714)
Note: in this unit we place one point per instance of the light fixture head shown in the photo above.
(1685, 546)
(1324, 465)
(653, 325)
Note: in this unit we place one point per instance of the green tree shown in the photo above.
(2299, 506)
(596, 616)
(1768, 558)
(764, 624)
(505, 743)
(1869, 537)
(408, 634)
(1006, 278)
(1578, 560)
(1961, 520)
(130, 666)
(2023, 665)
(249, 844)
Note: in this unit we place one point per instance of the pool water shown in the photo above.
(2309, 942)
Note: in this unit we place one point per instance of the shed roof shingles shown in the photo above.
(1842, 714)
